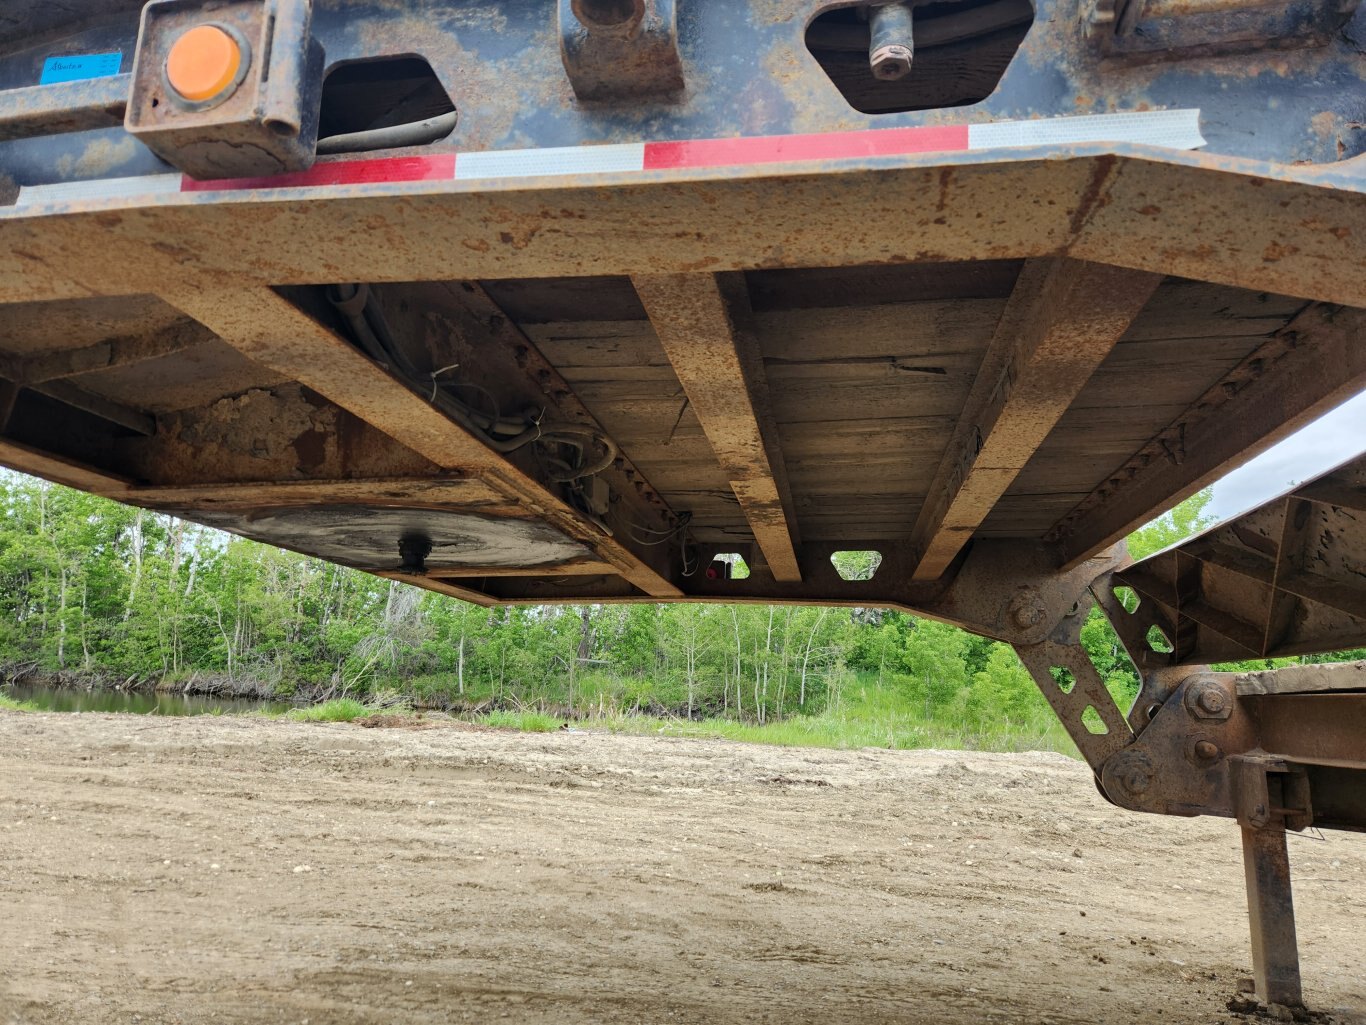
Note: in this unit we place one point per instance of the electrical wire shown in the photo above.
(414, 133)
(503, 434)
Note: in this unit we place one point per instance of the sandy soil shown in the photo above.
(233, 870)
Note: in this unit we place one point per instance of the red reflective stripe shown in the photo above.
(773, 149)
(342, 172)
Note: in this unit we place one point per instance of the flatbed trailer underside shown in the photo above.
(597, 344)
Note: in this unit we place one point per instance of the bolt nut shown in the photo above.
(1211, 700)
(1027, 609)
(1129, 780)
(1136, 780)
(891, 62)
(1207, 699)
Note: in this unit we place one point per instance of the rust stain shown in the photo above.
(1276, 251)
(1091, 196)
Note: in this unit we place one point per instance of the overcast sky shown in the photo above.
(1332, 439)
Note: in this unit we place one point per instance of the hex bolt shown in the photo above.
(1211, 699)
(891, 47)
(1136, 780)
(1027, 609)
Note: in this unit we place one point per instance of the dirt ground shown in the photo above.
(237, 870)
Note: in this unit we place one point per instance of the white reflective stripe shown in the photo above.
(525, 163)
(1173, 129)
(99, 188)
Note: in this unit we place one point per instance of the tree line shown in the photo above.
(100, 591)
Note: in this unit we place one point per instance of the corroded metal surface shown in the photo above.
(171, 343)
(1063, 319)
(1282, 579)
(704, 325)
(1271, 910)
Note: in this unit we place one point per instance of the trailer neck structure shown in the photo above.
(597, 301)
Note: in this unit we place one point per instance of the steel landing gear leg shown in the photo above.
(1271, 910)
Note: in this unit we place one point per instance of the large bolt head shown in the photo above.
(1027, 609)
(1136, 780)
(891, 62)
(1128, 779)
(1207, 699)
(1212, 700)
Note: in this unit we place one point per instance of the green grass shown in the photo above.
(527, 722)
(841, 732)
(336, 710)
(11, 705)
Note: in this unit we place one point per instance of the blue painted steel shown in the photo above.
(748, 72)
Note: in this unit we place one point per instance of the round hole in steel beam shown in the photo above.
(608, 14)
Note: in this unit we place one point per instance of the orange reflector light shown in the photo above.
(202, 63)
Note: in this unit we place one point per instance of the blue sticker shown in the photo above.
(79, 66)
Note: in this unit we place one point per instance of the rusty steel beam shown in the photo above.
(1313, 364)
(1271, 913)
(441, 587)
(703, 324)
(1220, 215)
(65, 107)
(30, 371)
(402, 492)
(97, 405)
(582, 568)
(266, 327)
(1063, 318)
(1098, 736)
(1281, 579)
(26, 459)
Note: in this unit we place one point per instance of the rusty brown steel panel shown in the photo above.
(114, 352)
(1282, 579)
(442, 587)
(405, 492)
(1062, 320)
(267, 328)
(1081, 690)
(1307, 679)
(73, 474)
(1230, 221)
(1313, 364)
(703, 323)
(1327, 727)
(1221, 219)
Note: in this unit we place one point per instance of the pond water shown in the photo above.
(65, 699)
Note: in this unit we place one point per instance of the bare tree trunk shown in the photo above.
(460, 666)
(136, 581)
(806, 655)
(61, 620)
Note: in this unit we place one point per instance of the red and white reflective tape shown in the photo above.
(1171, 129)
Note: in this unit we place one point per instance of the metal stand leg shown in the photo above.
(1271, 909)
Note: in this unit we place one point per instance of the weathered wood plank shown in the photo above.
(802, 289)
